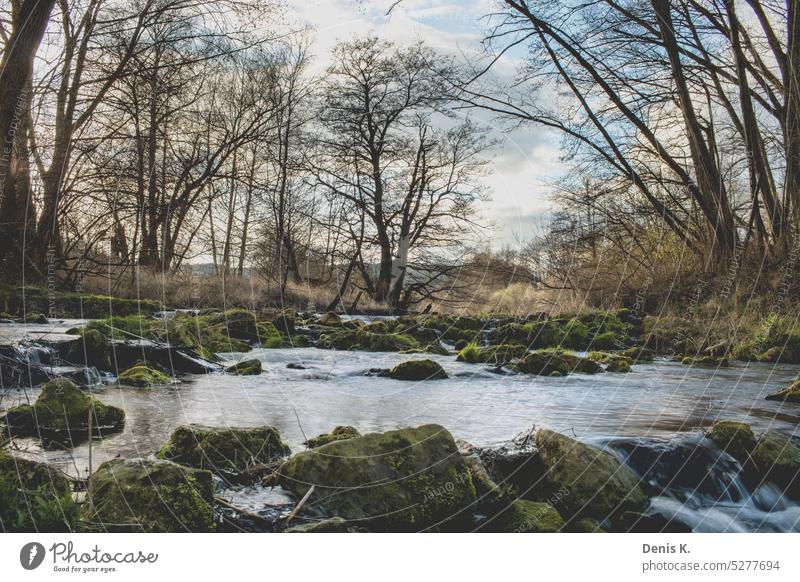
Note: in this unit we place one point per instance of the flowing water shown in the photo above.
(650, 418)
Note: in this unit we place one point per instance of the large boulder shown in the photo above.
(523, 516)
(62, 411)
(404, 480)
(735, 438)
(34, 496)
(555, 362)
(588, 482)
(141, 495)
(416, 370)
(776, 458)
(245, 368)
(92, 349)
(227, 451)
(143, 377)
(497, 354)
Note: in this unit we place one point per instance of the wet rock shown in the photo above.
(496, 354)
(330, 319)
(405, 480)
(330, 525)
(339, 433)
(523, 516)
(584, 525)
(62, 411)
(634, 522)
(638, 354)
(588, 482)
(245, 368)
(141, 495)
(614, 362)
(789, 394)
(229, 452)
(92, 349)
(417, 370)
(284, 322)
(34, 496)
(776, 458)
(705, 361)
(377, 373)
(550, 362)
(177, 360)
(735, 438)
(296, 366)
(143, 377)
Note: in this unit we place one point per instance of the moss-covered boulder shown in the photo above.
(404, 480)
(588, 482)
(284, 322)
(330, 319)
(614, 362)
(523, 516)
(34, 497)
(143, 376)
(416, 370)
(638, 354)
(555, 362)
(62, 410)
(150, 496)
(789, 394)
(245, 368)
(339, 433)
(91, 348)
(735, 438)
(498, 355)
(228, 451)
(776, 458)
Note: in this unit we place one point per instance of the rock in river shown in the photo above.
(141, 495)
(62, 411)
(404, 480)
(789, 394)
(226, 451)
(776, 458)
(416, 370)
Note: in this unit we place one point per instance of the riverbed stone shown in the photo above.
(735, 438)
(245, 368)
(62, 410)
(586, 481)
(555, 362)
(789, 394)
(227, 451)
(411, 479)
(776, 458)
(417, 370)
(143, 495)
(330, 319)
(92, 349)
(523, 516)
(143, 377)
(498, 355)
(339, 433)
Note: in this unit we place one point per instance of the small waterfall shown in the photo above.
(692, 481)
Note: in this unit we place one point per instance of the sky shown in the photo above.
(524, 163)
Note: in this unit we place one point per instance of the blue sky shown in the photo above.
(525, 161)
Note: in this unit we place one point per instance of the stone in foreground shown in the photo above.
(412, 479)
(226, 451)
(776, 458)
(140, 495)
(735, 438)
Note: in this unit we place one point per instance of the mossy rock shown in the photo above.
(498, 355)
(549, 361)
(638, 355)
(285, 321)
(417, 370)
(226, 451)
(245, 368)
(434, 348)
(614, 362)
(143, 377)
(705, 361)
(591, 483)
(412, 479)
(330, 525)
(92, 349)
(62, 410)
(523, 516)
(34, 497)
(789, 394)
(776, 458)
(141, 495)
(735, 438)
(339, 433)
(330, 319)
(585, 525)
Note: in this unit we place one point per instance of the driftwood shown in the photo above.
(300, 504)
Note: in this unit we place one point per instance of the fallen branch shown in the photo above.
(300, 505)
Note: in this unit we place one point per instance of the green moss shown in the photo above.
(339, 433)
(613, 362)
(776, 458)
(789, 394)
(225, 450)
(72, 305)
(606, 341)
(34, 497)
(705, 361)
(498, 355)
(143, 376)
(62, 408)
(405, 480)
(417, 370)
(149, 496)
(735, 438)
(523, 516)
(330, 319)
(245, 368)
(588, 482)
(91, 349)
(638, 354)
(470, 354)
(545, 362)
